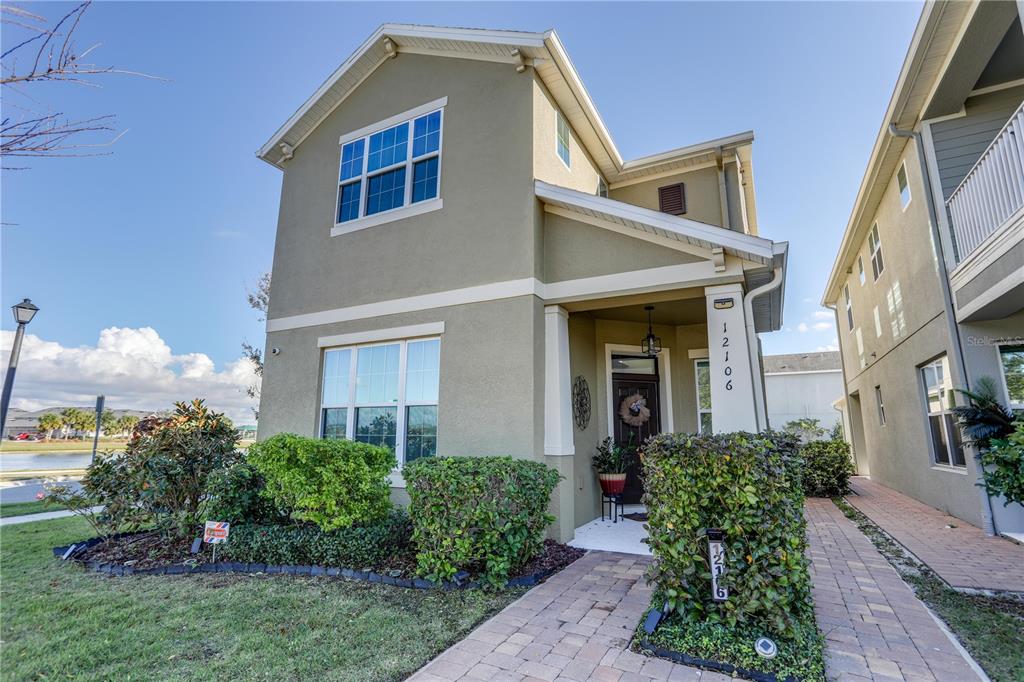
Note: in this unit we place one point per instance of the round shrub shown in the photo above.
(236, 494)
(747, 485)
(365, 545)
(478, 514)
(1003, 463)
(826, 468)
(332, 483)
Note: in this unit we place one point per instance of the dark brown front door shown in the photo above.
(623, 387)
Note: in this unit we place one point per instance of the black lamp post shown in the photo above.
(23, 314)
(651, 344)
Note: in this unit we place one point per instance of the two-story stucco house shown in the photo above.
(928, 284)
(465, 265)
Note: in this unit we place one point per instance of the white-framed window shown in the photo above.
(860, 269)
(881, 405)
(849, 306)
(562, 137)
(904, 186)
(1011, 358)
(946, 443)
(878, 324)
(602, 188)
(875, 248)
(702, 373)
(384, 394)
(860, 348)
(390, 167)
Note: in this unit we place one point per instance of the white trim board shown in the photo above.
(619, 284)
(664, 384)
(415, 112)
(411, 331)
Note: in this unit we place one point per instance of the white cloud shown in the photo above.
(821, 326)
(829, 347)
(803, 328)
(133, 368)
(822, 315)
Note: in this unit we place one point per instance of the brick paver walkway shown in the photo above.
(575, 626)
(963, 555)
(875, 627)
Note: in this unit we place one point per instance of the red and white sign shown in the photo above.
(216, 532)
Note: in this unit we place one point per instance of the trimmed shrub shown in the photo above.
(332, 483)
(826, 468)
(1003, 464)
(236, 494)
(360, 546)
(747, 485)
(480, 514)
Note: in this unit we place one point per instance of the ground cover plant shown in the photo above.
(827, 468)
(59, 621)
(990, 627)
(749, 487)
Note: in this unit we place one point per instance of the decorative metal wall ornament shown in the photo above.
(581, 403)
(651, 344)
(634, 410)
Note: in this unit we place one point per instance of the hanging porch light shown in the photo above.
(651, 345)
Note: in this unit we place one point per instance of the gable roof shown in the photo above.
(543, 51)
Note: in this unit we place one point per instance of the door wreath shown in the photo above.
(634, 410)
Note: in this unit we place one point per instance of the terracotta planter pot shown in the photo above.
(612, 484)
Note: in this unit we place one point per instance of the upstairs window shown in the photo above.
(562, 137)
(875, 248)
(602, 188)
(901, 181)
(390, 168)
(672, 199)
(849, 306)
(860, 269)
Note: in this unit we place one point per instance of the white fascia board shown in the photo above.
(756, 247)
(412, 331)
(728, 142)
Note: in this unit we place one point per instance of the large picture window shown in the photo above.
(947, 446)
(384, 394)
(390, 168)
(702, 371)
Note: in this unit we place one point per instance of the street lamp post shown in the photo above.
(23, 314)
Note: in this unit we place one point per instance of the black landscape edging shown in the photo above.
(459, 583)
(717, 666)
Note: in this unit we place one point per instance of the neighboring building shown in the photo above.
(803, 386)
(928, 284)
(463, 261)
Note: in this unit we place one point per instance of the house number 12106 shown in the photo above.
(727, 370)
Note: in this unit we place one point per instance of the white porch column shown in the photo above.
(557, 386)
(732, 385)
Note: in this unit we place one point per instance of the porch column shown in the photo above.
(732, 385)
(557, 387)
(558, 436)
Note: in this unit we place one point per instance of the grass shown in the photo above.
(800, 656)
(991, 628)
(19, 508)
(62, 622)
(18, 446)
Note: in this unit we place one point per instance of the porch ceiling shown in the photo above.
(677, 312)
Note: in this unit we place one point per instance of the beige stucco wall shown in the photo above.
(583, 361)
(480, 235)
(572, 250)
(582, 175)
(703, 202)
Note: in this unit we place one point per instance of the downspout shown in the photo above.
(760, 411)
(959, 366)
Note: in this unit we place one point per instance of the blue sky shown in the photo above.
(169, 230)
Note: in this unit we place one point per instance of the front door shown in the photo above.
(625, 388)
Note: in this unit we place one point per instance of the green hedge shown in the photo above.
(235, 494)
(1003, 463)
(826, 468)
(748, 485)
(361, 546)
(332, 483)
(480, 514)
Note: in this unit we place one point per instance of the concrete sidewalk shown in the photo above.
(960, 553)
(41, 516)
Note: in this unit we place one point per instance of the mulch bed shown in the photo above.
(154, 554)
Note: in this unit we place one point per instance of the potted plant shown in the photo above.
(610, 464)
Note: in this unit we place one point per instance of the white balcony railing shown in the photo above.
(992, 191)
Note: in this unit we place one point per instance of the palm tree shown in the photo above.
(107, 422)
(985, 417)
(48, 423)
(68, 420)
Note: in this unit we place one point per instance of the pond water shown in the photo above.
(31, 461)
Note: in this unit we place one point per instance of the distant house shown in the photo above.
(803, 386)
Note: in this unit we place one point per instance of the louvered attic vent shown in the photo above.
(672, 199)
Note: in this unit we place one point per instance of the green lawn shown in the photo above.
(19, 508)
(991, 628)
(60, 622)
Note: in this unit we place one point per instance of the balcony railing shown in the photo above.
(992, 191)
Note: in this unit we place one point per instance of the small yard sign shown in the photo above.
(216, 532)
(716, 559)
